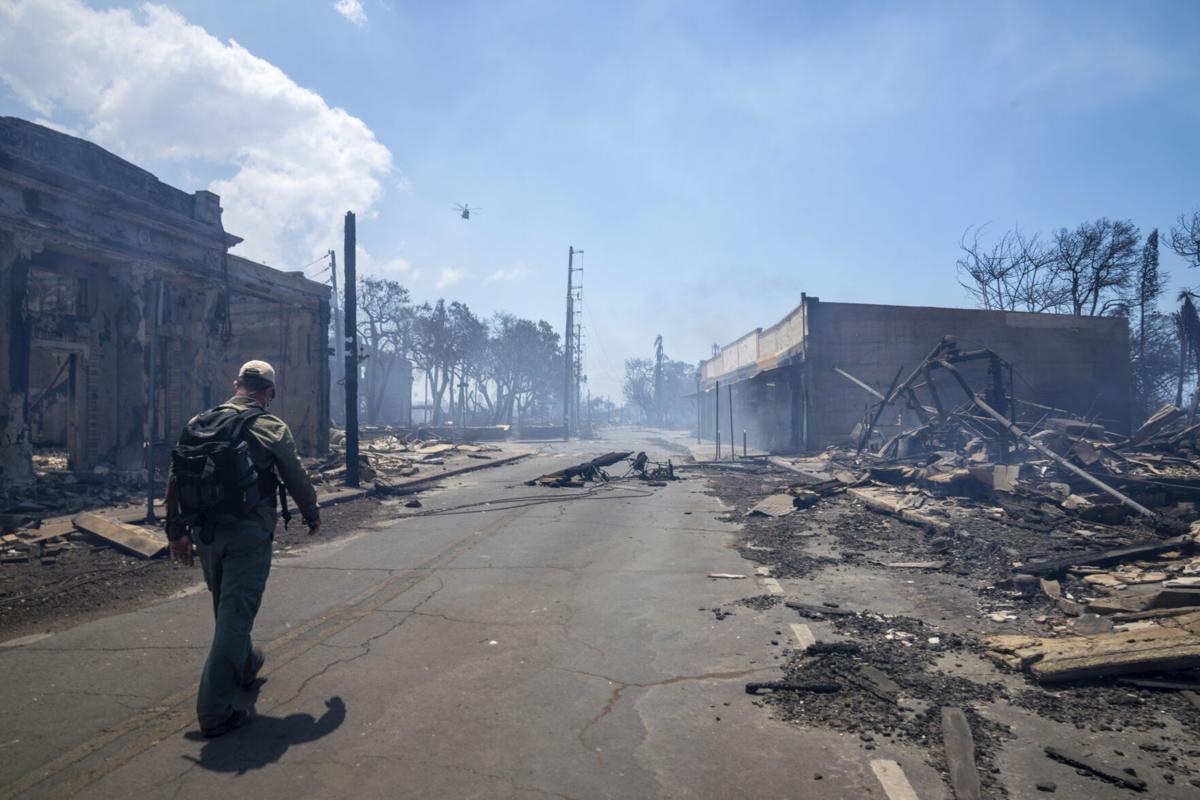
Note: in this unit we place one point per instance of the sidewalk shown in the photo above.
(706, 452)
(135, 514)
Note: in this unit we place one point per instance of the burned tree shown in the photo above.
(1011, 274)
(658, 379)
(520, 369)
(385, 322)
(1185, 238)
(1187, 328)
(1094, 265)
(1085, 271)
(1154, 343)
(659, 389)
(638, 387)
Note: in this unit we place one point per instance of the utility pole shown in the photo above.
(568, 331)
(351, 295)
(339, 342)
(580, 378)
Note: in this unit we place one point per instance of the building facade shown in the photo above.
(788, 394)
(123, 312)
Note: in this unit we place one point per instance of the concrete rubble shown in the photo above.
(1076, 541)
(388, 454)
(1089, 623)
(1118, 514)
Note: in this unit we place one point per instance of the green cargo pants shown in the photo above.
(236, 566)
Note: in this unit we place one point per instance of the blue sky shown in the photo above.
(714, 160)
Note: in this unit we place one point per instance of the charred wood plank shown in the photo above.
(1102, 558)
(960, 754)
(140, 541)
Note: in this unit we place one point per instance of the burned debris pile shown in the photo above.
(1034, 466)
(40, 520)
(653, 473)
(56, 491)
(579, 474)
(386, 454)
(1100, 570)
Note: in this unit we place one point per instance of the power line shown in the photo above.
(321, 257)
(319, 273)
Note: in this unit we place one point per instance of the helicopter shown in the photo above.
(465, 211)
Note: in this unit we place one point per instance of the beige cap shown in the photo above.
(258, 369)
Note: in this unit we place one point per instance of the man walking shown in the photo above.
(224, 478)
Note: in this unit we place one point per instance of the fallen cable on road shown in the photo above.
(508, 503)
(785, 686)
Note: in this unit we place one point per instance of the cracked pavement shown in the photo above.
(555, 648)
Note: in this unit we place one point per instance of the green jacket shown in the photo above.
(278, 450)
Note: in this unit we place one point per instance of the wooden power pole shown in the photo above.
(339, 339)
(351, 312)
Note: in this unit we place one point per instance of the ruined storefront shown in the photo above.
(796, 385)
(123, 313)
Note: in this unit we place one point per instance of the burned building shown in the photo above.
(797, 385)
(123, 312)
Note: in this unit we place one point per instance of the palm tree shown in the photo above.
(1187, 327)
(658, 375)
(1177, 319)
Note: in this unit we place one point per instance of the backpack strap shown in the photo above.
(242, 418)
(269, 476)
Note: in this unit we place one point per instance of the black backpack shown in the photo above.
(216, 482)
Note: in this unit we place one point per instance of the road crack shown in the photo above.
(364, 647)
(622, 686)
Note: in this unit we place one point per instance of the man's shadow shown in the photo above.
(265, 739)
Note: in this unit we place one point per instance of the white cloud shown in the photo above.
(449, 276)
(352, 10)
(507, 275)
(401, 269)
(166, 94)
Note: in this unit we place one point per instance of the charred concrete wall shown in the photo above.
(790, 398)
(768, 408)
(117, 293)
(1079, 364)
(291, 332)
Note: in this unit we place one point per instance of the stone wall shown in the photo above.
(88, 245)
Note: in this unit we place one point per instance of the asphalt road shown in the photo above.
(548, 644)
